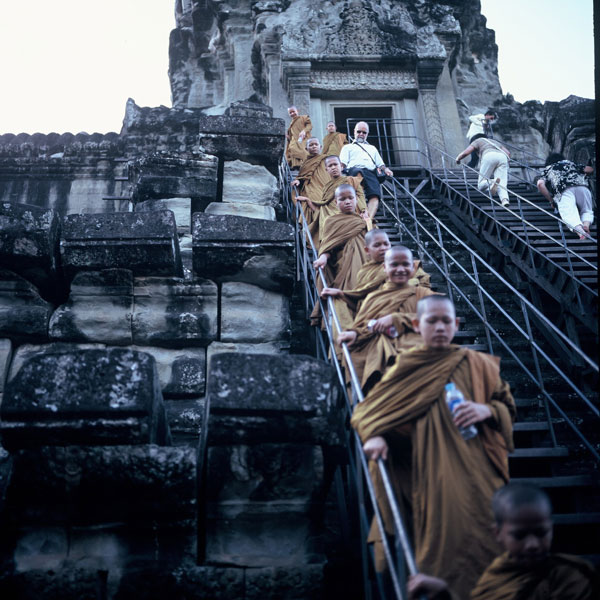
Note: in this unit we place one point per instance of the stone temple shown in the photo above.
(167, 428)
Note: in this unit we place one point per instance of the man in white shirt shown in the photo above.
(361, 157)
(479, 126)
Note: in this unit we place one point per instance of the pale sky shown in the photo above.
(70, 65)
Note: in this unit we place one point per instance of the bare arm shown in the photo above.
(465, 152)
(541, 186)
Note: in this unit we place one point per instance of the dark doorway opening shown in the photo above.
(379, 119)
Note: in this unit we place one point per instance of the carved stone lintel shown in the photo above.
(372, 79)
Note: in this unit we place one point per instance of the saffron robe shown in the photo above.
(559, 577)
(371, 351)
(344, 241)
(299, 123)
(372, 276)
(333, 142)
(443, 484)
(313, 177)
(327, 206)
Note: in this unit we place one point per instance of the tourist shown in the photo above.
(565, 183)
(361, 157)
(480, 126)
(443, 483)
(493, 172)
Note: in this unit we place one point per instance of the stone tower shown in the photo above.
(426, 62)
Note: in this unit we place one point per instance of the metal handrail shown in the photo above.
(296, 214)
(424, 238)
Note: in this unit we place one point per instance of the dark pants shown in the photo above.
(475, 155)
(369, 182)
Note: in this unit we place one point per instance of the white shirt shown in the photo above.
(355, 155)
(476, 126)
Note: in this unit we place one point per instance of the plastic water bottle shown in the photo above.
(391, 331)
(454, 397)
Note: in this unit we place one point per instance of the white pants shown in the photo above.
(575, 205)
(494, 165)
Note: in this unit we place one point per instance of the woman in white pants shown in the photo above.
(493, 170)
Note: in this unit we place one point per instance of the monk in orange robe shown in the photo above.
(443, 483)
(333, 141)
(299, 129)
(383, 325)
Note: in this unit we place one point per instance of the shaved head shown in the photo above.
(344, 188)
(331, 158)
(513, 496)
(394, 250)
(371, 235)
(424, 303)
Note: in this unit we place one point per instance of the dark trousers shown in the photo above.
(369, 182)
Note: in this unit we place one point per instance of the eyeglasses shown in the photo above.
(361, 131)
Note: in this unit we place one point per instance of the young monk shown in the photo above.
(394, 305)
(311, 178)
(333, 141)
(372, 274)
(342, 251)
(300, 128)
(325, 206)
(526, 569)
(443, 484)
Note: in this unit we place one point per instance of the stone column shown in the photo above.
(296, 80)
(428, 72)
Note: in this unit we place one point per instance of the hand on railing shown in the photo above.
(425, 584)
(321, 261)
(376, 447)
(346, 337)
(333, 292)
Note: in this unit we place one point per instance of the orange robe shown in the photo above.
(333, 142)
(559, 577)
(372, 352)
(299, 123)
(443, 484)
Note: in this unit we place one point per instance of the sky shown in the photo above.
(70, 65)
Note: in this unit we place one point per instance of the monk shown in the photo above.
(383, 325)
(333, 141)
(527, 570)
(325, 206)
(372, 274)
(311, 178)
(300, 127)
(342, 250)
(443, 484)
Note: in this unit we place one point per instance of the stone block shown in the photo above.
(23, 313)
(258, 398)
(230, 248)
(145, 243)
(185, 420)
(239, 209)
(286, 583)
(29, 238)
(174, 313)
(85, 397)
(250, 184)
(253, 315)
(266, 348)
(5, 360)
(182, 372)
(180, 207)
(140, 486)
(99, 309)
(162, 175)
(257, 140)
(26, 351)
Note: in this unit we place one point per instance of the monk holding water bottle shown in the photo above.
(443, 482)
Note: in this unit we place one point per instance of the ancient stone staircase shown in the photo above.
(561, 284)
(546, 451)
